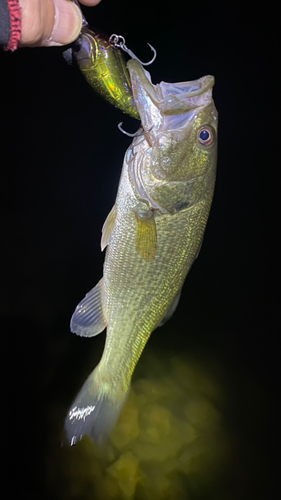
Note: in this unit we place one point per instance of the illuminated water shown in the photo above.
(179, 436)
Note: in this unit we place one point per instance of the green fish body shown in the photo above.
(152, 236)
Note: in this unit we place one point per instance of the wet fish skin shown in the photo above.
(152, 234)
(104, 67)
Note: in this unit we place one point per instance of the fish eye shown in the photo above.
(205, 135)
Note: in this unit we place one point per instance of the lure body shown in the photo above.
(104, 67)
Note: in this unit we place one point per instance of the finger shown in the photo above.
(67, 23)
(89, 2)
(49, 22)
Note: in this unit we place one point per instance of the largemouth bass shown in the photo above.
(152, 234)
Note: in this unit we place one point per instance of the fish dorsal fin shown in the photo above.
(107, 228)
(146, 239)
(87, 319)
(171, 310)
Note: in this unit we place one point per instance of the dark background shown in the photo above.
(61, 158)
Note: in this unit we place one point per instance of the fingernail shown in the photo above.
(68, 23)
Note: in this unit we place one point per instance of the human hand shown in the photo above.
(50, 22)
(45, 22)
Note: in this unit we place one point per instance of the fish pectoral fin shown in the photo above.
(146, 238)
(171, 310)
(107, 228)
(88, 319)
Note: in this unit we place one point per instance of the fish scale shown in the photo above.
(139, 314)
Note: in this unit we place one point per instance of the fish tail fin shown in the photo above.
(94, 411)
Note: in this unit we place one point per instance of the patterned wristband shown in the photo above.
(15, 24)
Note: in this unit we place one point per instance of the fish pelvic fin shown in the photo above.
(88, 319)
(94, 411)
(146, 236)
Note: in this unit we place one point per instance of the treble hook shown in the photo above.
(119, 41)
(127, 133)
(135, 134)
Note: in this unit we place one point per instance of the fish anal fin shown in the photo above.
(146, 238)
(87, 319)
(198, 251)
(107, 228)
(171, 310)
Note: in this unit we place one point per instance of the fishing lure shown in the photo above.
(100, 59)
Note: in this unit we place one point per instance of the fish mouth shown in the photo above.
(141, 79)
(155, 102)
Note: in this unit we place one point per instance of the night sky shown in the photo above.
(61, 160)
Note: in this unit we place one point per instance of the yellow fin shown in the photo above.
(107, 228)
(146, 240)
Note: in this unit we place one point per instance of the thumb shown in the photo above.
(49, 22)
